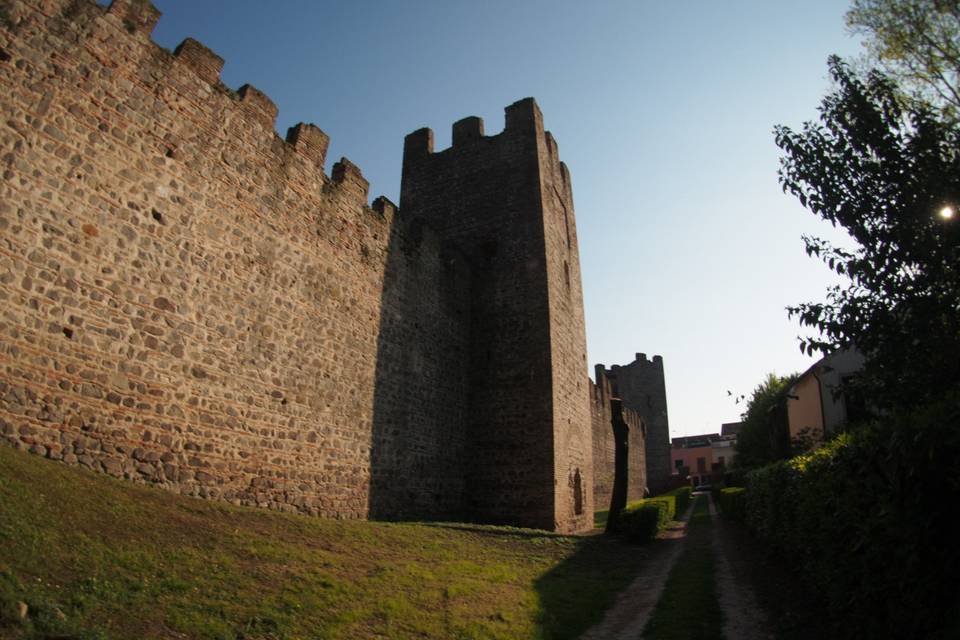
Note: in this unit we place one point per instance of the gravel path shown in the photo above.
(628, 616)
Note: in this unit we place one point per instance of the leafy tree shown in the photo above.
(765, 435)
(917, 44)
(890, 176)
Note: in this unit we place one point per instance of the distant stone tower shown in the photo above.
(641, 386)
(506, 201)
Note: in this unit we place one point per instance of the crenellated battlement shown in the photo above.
(138, 17)
(600, 390)
(386, 209)
(310, 142)
(522, 118)
(258, 105)
(467, 130)
(348, 176)
(135, 20)
(204, 62)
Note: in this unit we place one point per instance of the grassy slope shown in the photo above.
(102, 558)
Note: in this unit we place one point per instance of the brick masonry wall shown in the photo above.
(641, 386)
(188, 300)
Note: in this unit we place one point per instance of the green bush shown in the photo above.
(681, 497)
(641, 521)
(867, 521)
(732, 502)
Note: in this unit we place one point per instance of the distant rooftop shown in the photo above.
(688, 442)
(730, 428)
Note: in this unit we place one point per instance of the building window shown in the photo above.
(701, 465)
(678, 464)
(723, 462)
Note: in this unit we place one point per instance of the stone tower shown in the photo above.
(506, 201)
(641, 386)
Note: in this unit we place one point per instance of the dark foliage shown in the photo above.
(765, 436)
(883, 172)
(641, 522)
(732, 501)
(868, 521)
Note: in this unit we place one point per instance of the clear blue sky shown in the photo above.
(663, 111)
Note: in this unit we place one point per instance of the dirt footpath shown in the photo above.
(744, 619)
(628, 616)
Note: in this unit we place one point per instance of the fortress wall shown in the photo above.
(641, 386)
(610, 419)
(420, 412)
(603, 442)
(636, 450)
(187, 299)
(573, 459)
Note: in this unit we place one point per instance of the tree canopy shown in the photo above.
(764, 436)
(889, 174)
(917, 44)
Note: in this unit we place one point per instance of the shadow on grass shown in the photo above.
(576, 593)
(494, 530)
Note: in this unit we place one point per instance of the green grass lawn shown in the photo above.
(688, 607)
(94, 557)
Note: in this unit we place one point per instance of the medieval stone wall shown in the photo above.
(613, 461)
(636, 449)
(604, 443)
(641, 387)
(573, 459)
(187, 299)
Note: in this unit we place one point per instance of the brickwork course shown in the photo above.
(189, 300)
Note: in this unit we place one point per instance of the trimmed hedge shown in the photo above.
(641, 521)
(868, 522)
(733, 502)
(682, 496)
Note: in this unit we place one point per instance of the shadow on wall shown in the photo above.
(418, 433)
